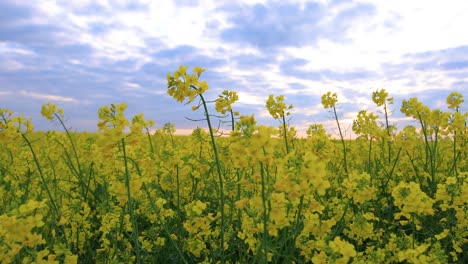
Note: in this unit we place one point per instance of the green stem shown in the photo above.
(340, 224)
(342, 140)
(298, 218)
(285, 133)
(44, 183)
(46, 187)
(413, 225)
(220, 176)
(434, 162)
(239, 189)
(130, 205)
(150, 141)
(455, 152)
(178, 187)
(71, 142)
(387, 126)
(265, 214)
(426, 141)
(232, 121)
(369, 158)
(155, 209)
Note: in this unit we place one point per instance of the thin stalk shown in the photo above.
(220, 176)
(239, 189)
(387, 126)
(44, 183)
(342, 140)
(232, 121)
(46, 187)
(369, 158)
(455, 152)
(172, 139)
(426, 141)
(150, 141)
(430, 153)
(153, 206)
(340, 225)
(265, 214)
(285, 133)
(70, 164)
(55, 185)
(413, 225)
(415, 168)
(71, 142)
(434, 162)
(390, 174)
(464, 141)
(130, 205)
(178, 187)
(298, 218)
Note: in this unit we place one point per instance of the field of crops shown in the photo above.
(258, 195)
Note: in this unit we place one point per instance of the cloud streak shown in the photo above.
(49, 97)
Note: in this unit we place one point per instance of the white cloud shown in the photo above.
(246, 98)
(418, 26)
(424, 25)
(78, 21)
(10, 48)
(76, 62)
(133, 85)
(50, 97)
(11, 65)
(308, 111)
(50, 8)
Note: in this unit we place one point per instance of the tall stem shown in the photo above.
(342, 140)
(232, 121)
(71, 142)
(150, 141)
(46, 187)
(220, 176)
(389, 143)
(285, 133)
(369, 167)
(130, 205)
(455, 149)
(265, 214)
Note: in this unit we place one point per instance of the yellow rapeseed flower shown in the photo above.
(48, 110)
(411, 199)
(225, 100)
(276, 106)
(329, 100)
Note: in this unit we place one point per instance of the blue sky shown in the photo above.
(85, 54)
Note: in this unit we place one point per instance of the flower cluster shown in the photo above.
(380, 97)
(329, 100)
(276, 106)
(182, 86)
(49, 110)
(225, 100)
(410, 199)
